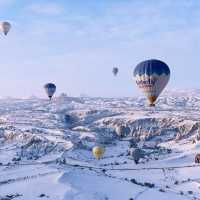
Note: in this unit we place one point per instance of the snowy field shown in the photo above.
(45, 148)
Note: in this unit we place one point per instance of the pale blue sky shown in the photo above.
(75, 44)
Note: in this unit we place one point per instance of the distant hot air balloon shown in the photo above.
(50, 89)
(98, 152)
(5, 27)
(151, 77)
(115, 71)
(122, 131)
(197, 158)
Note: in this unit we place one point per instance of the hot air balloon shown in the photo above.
(122, 131)
(151, 77)
(115, 71)
(197, 158)
(5, 27)
(50, 89)
(98, 152)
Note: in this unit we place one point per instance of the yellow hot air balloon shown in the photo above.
(98, 152)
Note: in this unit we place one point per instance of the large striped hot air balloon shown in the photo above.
(50, 89)
(151, 77)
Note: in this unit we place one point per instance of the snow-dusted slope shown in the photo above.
(45, 148)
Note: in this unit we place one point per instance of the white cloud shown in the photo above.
(91, 42)
(6, 2)
(46, 8)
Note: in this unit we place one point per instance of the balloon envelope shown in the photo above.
(151, 77)
(5, 27)
(50, 89)
(98, 152)
(115, 71)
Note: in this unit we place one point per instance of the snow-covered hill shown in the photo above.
(45, 148)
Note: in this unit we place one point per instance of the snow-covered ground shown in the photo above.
(45, 148)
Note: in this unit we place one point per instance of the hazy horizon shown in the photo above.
(76, 44)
